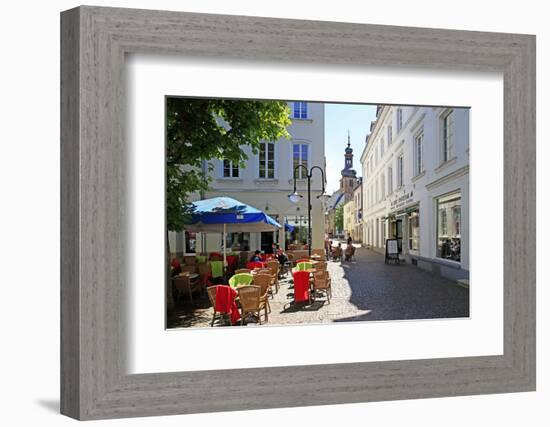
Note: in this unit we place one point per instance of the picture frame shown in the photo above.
(94, 382)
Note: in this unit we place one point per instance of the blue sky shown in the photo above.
(339, 118)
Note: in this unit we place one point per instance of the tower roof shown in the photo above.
(348, 170)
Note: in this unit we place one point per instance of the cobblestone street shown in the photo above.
(364, 289)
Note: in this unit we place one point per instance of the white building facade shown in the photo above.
(415, 168)
(265, 182)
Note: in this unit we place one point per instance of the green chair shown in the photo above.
(241, 279)
(217, 269)
(302, 266)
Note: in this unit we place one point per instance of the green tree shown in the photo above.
(199, 130)
(339, 218)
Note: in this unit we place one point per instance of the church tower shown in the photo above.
(349, 175)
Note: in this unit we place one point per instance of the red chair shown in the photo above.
(215, 256)
(232, 262)
(301, 286)
(176, 266)
(255, 264)
(225, 302)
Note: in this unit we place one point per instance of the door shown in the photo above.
(267, 241)
(399, 234)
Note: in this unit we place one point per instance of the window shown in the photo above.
(300, 110)
(377, 193)
(230, 169)
(448, 227)
(448, 130)
(390, 180)
(238, 241)
(381, 148)
(190, 242)
(399, 119)
(414, 230)
(390, 136)
(267, 160)
(300, 157)
(376, 156)
(418, 154)
(382, 186)
(400, 171)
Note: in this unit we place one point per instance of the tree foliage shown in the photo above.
(200, 130)
(339, 218)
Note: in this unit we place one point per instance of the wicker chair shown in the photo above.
(244, 279)
(251, 302)
(337, 253)
(212, 297)
(274, 266)
(302, 266)
(321, 282)
(321, 265)
(205, 273)
(350, 255)
(190, 259)
(242, 270)
(320, 252)
(263, 280)
(184, 285)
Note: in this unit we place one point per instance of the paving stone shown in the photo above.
(362, 290)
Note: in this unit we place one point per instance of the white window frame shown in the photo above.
(382, 187)
(418, 148)
(390, 134)
(382, 147)
(232, 166)
(455, 195)
(399, 120)
(301, 170)
(447, 135)
(302, 108)
(400, 170)
(265, 144)
(390, 180)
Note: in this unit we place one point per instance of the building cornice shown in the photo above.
(456, 174)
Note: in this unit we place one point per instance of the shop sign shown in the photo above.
(399, 201)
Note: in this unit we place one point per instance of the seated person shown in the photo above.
(350, 250)
(281, 256)
(256, 257)
(337, 251)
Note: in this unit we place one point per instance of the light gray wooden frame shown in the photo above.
(94, 41)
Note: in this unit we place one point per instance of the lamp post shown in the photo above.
(295, 197)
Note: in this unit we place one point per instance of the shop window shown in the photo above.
(414, 231)
(449, 227)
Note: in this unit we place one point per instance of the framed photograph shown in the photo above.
(262, 213)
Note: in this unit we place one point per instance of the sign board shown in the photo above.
(391, 246)
(392, 251)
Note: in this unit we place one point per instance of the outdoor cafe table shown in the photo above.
(192, 276)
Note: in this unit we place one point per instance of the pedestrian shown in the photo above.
(350, 240)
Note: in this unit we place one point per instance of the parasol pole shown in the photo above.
(224, 245)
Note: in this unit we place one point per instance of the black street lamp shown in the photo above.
(295, 196)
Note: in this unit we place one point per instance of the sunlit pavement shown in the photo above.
(363, 289)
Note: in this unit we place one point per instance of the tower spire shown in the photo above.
(348, 139)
